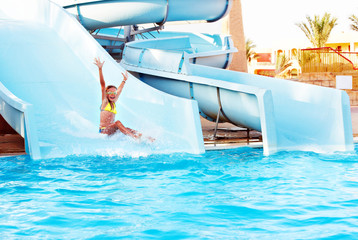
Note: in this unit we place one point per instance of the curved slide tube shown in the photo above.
(290, 115)
(95, 14)
(50, 91)
(203, 47)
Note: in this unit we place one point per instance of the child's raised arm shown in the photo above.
(120, 88)
(99, 64)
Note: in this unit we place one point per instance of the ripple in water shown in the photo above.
(231, 194)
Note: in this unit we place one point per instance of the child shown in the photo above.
(110, 95)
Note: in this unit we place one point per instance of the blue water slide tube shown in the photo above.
(95, 14)
(203, 47)
(50, 91)
(290, 115)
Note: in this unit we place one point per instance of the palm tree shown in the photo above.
(282, 62)
(317, 30)
(354, 25)
(250, 53)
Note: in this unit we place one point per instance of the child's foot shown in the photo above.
(137, 135)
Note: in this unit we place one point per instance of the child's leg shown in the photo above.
(127, 131)
(134, 132)
(139, 135)
(112, 128)
(109, 130)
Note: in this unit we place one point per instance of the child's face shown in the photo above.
(111, 93)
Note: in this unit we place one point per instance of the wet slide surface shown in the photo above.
(47, 66)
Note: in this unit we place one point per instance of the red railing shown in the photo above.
(327, 59)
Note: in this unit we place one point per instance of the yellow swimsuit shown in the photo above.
(108, 109)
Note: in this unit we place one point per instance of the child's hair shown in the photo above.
(110, 86)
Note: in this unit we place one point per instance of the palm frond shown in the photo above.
(318, 29)
(354, 24)
(250, 53)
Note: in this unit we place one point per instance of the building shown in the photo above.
(282, 63)
(340, 49)
(344, 41)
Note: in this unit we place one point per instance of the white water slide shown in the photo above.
(49, 91)
(290, 115)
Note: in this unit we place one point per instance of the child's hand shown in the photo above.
(98, 63)
(125, 76)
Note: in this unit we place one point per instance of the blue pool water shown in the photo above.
(230, 194)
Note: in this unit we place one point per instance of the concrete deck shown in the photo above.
(229, 136)
(11, 144)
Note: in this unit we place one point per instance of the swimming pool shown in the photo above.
(229, 194)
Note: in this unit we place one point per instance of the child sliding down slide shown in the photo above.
(110, 95)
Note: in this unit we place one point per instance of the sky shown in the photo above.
(271, 24)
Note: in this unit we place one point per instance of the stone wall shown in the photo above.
(353, 97)
(328, 79)
(321, 79)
